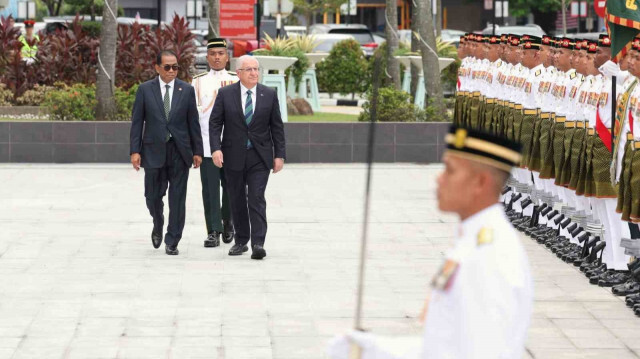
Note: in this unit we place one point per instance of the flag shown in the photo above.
(623, 24)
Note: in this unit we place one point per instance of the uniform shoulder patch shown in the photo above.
(199, 75)
(485, 236)
(444, 278)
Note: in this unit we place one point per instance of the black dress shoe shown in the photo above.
(613, 278)
(228, 233)
(172, 251)
(632, 299)
(213, 239)
(258, 252)
(156, 239)
(237, 250)
(630, 287)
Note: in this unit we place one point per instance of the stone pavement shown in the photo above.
(80, 279)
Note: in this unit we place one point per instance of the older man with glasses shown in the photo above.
(247, 115)
(166, 141)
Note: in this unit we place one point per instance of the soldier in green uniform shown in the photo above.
(206, 85)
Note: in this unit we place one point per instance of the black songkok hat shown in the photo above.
(483, 147)
(216, 42)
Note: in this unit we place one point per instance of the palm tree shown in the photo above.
(391, 30)
(105, 82)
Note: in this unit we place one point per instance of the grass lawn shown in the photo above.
(324, 117)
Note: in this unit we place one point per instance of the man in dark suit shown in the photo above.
(253, 144)
(166, 140)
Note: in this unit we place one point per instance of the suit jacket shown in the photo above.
(149, 126)
(265, 131)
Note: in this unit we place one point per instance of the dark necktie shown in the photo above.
(248, 113)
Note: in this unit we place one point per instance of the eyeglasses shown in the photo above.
(250, 69)
(171, 67)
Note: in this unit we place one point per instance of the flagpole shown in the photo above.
(355, 350)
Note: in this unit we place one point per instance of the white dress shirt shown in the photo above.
(163, 89)
(243, 95)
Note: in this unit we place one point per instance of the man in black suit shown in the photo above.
(166, 140)
(253, 144)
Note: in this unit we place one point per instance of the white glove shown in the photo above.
(374, 347)
(340, 346)
(609, 69)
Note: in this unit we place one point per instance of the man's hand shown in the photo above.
(278, 163)
(135, 161)
(197, 160)
(218, 160)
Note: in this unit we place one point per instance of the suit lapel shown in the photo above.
(175, 99)
(238, 101)
(158, 95)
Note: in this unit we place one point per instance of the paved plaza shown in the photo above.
(79, 277)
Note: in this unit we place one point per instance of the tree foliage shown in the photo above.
(344, 70)
(524, 7)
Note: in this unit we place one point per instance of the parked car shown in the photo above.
(591, 36)
(448, 35)
(529, 29)
(328, 41)
(358, 31)
(293, 31)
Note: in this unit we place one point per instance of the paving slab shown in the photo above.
(80, 279)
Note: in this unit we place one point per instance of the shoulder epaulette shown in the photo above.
(572, 75)
(199, 75)
(538, 72)
(485, 236)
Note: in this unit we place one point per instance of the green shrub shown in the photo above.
(344, 70)
(299, 68)
(5, 95)
(403, 50)
(124, 102)
(35, 96)
(393, 106)
(92, 28)
(429, 114)
(72, 103)
(78, 102)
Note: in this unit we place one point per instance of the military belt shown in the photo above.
(560, 119)
(528, 112)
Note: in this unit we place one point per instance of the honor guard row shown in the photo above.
(577, 190)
